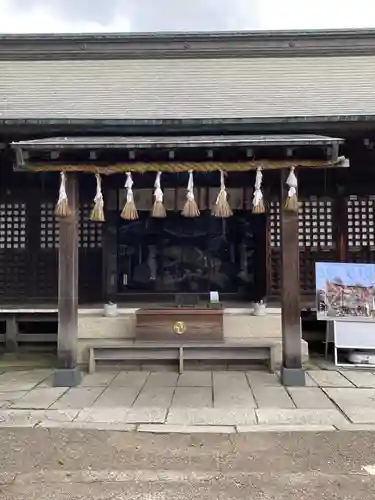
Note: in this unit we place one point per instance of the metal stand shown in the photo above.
(353, 335)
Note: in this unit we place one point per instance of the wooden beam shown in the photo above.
(67, 374)
(291, 370)
(176, 167)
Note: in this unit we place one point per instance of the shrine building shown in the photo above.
(155, 173)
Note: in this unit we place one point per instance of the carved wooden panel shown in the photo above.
(13, 254)
(360, 222)
(12, 225)
(274, 224)
(315, 224)
(274, 272)
(316, 240)
(90, 234)
(90, 256)
(49, 227)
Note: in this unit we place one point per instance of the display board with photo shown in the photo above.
(345, 290)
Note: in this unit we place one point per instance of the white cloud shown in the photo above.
(315, 14)
(47, 16)
(41, 19)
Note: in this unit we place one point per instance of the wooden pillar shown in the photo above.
(340, 223)
(110, 277)
(292, 373)
(67, 373)
(11, 334)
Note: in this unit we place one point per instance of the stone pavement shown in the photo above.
(196, 401)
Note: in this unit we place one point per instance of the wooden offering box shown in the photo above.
(179, 324)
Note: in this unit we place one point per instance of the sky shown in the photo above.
(75, 16)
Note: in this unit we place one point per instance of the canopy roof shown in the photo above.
(52, 154)
(176, 142)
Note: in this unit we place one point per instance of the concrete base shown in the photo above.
(292, 377)
(67, 377)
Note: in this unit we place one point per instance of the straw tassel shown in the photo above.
(190, 208)
(291, 202)
(62, 209)
(158, 210)
(258, 203)
(129, 212)
(222, 208)
(97, 212)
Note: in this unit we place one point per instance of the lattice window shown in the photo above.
(361, 222)
(12, 226)
(315, 227)
(274, 223)
(49, 227)
(89, 233)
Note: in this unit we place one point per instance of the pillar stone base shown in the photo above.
(67, 377)
(293, 377)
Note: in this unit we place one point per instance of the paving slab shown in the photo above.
(155, 397)
(16, 385)
(360, 378)
(25, 378)
(285, 428)
(230, 380)
(309, 381)
(48, 382)
(130, 379)
(270, 416)
(98, 379)
(40, 398)
(195, 379)
(114, 396)
(210, 416)
(329, 378)
(310, 398)
(229, 397)
(146, 415)
(78, 398)
(352, 397)
(272, 397)
(263, 379)
(360, 415)
(192, 397)
(162, 379)
(109, 415)
(12, 396)
(187, 429)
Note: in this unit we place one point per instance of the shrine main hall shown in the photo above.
(165, 197)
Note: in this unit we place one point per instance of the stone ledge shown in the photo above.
(187, 429)
(284, 428)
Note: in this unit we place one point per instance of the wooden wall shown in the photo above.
(336, 223)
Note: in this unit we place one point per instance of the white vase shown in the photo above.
(110, 310)
(259, 309)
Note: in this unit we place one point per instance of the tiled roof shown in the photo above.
(169, 89)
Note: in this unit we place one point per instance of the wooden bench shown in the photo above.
(13, 317)
(158, 351)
